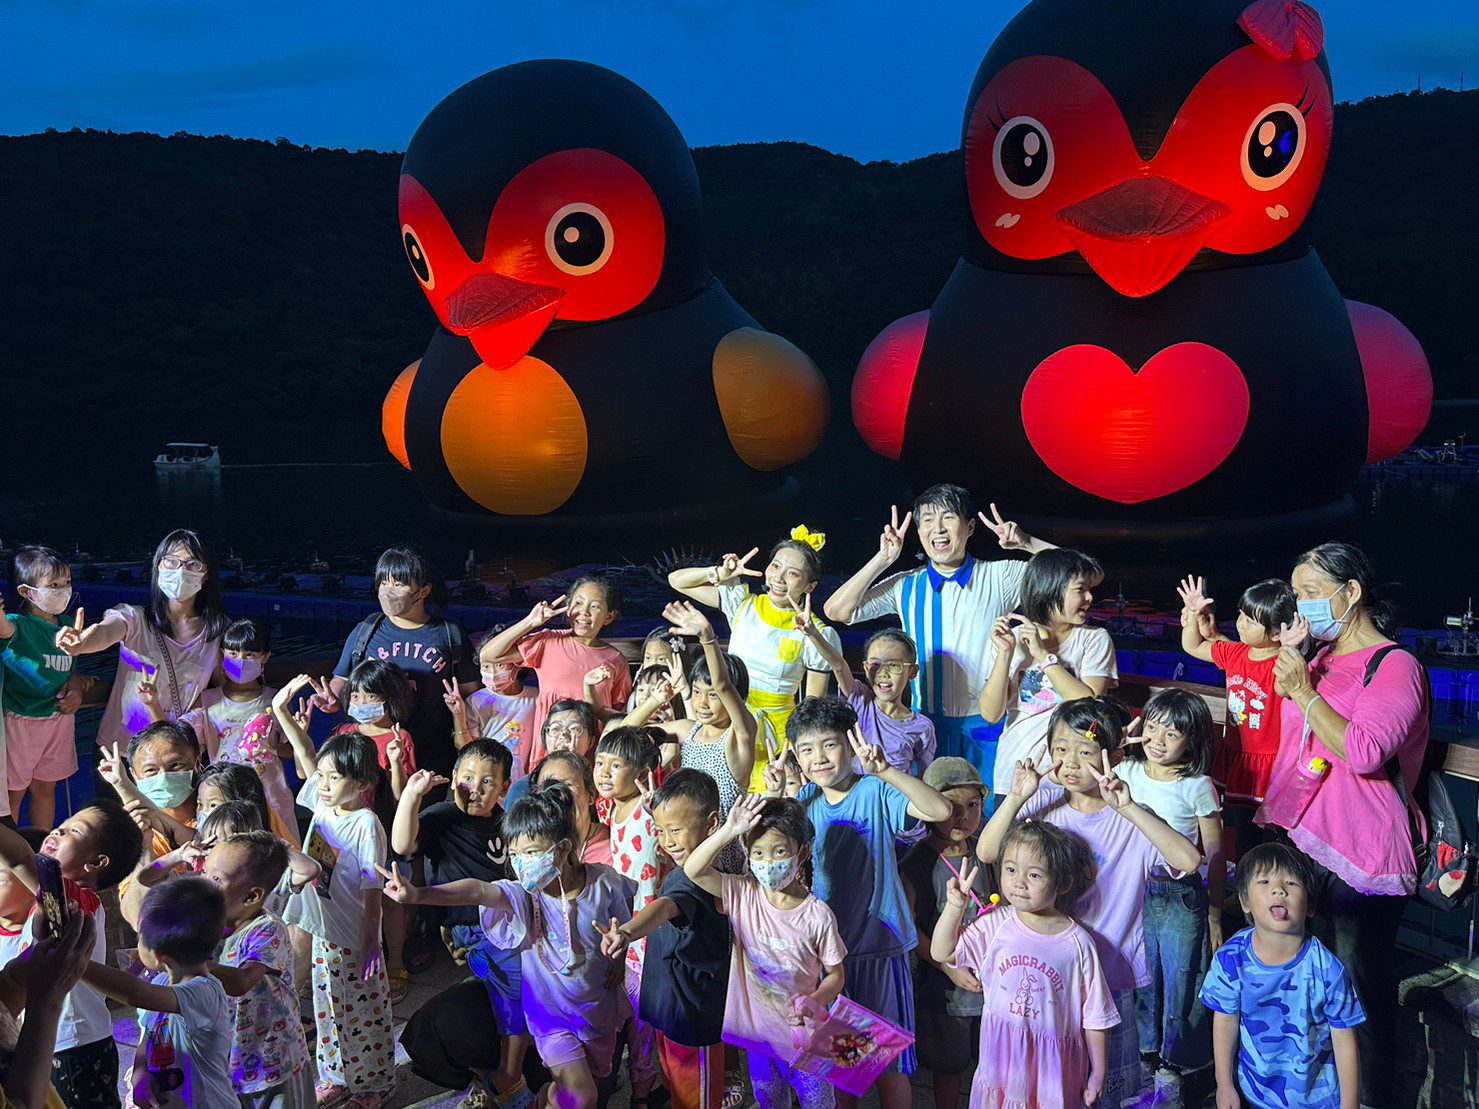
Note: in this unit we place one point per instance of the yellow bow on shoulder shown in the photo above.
(816, 540)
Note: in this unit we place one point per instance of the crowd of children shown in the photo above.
(697, 867)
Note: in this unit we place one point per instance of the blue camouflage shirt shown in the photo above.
(1286, 1059)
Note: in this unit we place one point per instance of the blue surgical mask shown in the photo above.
(367, 712)
(168, 789)
(1321, 615)
(535, 871)
(775, 875)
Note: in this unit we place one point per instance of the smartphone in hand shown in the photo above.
(51, 896)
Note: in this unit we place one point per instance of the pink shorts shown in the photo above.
(560, 1049)
(39, 749)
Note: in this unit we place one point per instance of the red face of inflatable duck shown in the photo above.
(577, 235)
(1075, 153)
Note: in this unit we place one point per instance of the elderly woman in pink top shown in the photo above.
(1362, 706)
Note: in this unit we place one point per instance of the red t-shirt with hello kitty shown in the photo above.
(634, 855)
(1245, 758)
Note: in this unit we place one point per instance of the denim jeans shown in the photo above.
(1169, 1014)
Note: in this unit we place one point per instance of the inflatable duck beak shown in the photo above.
(503, 316)
(1141, 233)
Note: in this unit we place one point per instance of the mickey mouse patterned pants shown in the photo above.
(353, 1043)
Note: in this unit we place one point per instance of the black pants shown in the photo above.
(457, 1032)
(87, 1074)
(1361, 929)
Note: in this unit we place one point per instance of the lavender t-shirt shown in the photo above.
(909, 745)
(578, 1002)
(1113, 911)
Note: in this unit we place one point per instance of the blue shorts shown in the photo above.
(884, 985)
(501, 972)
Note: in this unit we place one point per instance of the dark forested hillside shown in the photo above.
(214, 288)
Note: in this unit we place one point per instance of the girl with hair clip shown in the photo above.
(1047, 1008)
(172, 644)
(1044, 655)
(351, 995)
(787, 963)
(1166, 767)
(563, 658)
(1081, 793)
(782, 661)
(553, 914)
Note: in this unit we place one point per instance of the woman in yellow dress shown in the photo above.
(765, 631)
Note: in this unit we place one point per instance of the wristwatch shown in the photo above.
(1050, 660)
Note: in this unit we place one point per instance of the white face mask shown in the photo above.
(180, 585)
(50, 601)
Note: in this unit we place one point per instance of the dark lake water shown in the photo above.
(279, 515)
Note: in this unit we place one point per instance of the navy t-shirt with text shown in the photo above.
(423, 653)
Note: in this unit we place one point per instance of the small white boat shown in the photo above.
(188, 456)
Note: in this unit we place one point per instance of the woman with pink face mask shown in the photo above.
(168, 650)
(502, 710)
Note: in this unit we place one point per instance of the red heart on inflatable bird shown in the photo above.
(1131, 436)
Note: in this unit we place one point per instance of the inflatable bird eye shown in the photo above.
(1273, 146)
(578, 239)
(1022, 157)
(416, 255)
(585, 222)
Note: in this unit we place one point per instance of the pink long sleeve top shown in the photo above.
(1357, 826)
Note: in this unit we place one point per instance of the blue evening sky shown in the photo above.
(866, 78)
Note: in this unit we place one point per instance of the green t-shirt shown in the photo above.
(35, 669)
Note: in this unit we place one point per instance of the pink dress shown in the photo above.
(562, 665)
(1040, 993)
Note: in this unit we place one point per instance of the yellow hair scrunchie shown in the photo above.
(816, 540)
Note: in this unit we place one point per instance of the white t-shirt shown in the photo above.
(194, 664)
(1180, 802)
(765, 639)
(1032, 697)
(951, 627)
(85, 1018)
(348, 848)
(504, 719)
(198, 1038)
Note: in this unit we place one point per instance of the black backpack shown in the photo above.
(1445, 858)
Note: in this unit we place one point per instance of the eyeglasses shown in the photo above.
(194, 565)
(887, 669)
(567, 729)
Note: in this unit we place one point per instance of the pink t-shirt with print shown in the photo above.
(1039, 994)
(779, 954)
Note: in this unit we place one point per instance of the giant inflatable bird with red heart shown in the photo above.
(1139, 329)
